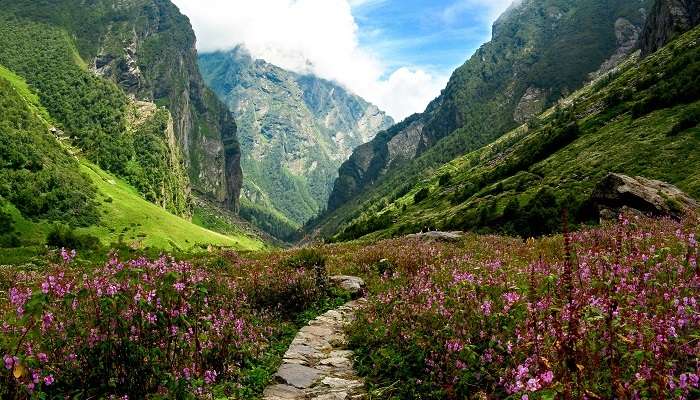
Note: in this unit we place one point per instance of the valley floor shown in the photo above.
(605, 312)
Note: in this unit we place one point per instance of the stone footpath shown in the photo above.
(318, 365)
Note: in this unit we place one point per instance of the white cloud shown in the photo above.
(489, 9)
(312, 36)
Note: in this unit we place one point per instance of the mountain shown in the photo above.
(295, 132)
(147, 47)
(42, 182)
(107, 127)
(540, 51)
(626, 121)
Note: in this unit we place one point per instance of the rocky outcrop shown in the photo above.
(295, 130)
(627, 35)
(667, 20)
(527, 66)
(618, 193)
(532, 103)
(455, 236)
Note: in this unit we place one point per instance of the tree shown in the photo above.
(421, 195)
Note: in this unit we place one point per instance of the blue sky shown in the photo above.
(436, 35)
(397, 54)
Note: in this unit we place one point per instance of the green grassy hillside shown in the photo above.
(629, 121)
(125, 216)
(95, 112)
(42, 182)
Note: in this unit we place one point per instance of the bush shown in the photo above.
(294, 285)
(445, 179)
(62, 236)
(309, 259)
(305, 258)
(689, 119)
(421, 195)
(8, 236)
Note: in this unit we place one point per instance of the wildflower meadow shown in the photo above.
(600, 313)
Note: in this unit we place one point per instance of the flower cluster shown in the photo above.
(142, 326)
(610, 312)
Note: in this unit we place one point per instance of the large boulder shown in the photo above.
(438, 236)
(621, 193)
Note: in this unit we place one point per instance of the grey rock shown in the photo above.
(438, 236)
(276, 392)
(352, 284)
(667, 20)
(299, 376)
(618, 193)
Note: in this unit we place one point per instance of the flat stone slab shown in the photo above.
(318, 364)
(299, 376)
(280, 392)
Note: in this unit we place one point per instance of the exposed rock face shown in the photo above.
(668, 19)
(627, 35)
(406, 144)
(531, 104)
(295, 130)
(617, 192)
(540, 51)
(148, 48)
(158, 62)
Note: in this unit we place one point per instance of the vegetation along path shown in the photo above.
(318, 364)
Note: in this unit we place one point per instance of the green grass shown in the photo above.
(126, 215)
(134, 219)
(23, 90)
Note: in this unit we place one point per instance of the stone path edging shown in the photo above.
(318, 365)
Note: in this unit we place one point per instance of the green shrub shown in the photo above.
(62, 236)
(306, 259)
(445, 179)
(689, 119)
(421, 195)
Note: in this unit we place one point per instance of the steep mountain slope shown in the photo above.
(540, 50)
(295, 132)
(42, 182)
(148, 48)
(628, 121)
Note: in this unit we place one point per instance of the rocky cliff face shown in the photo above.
(541, 50)
(148, 48)
(295, 130)
(668, 19)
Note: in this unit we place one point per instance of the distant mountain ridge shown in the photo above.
(295, 132)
